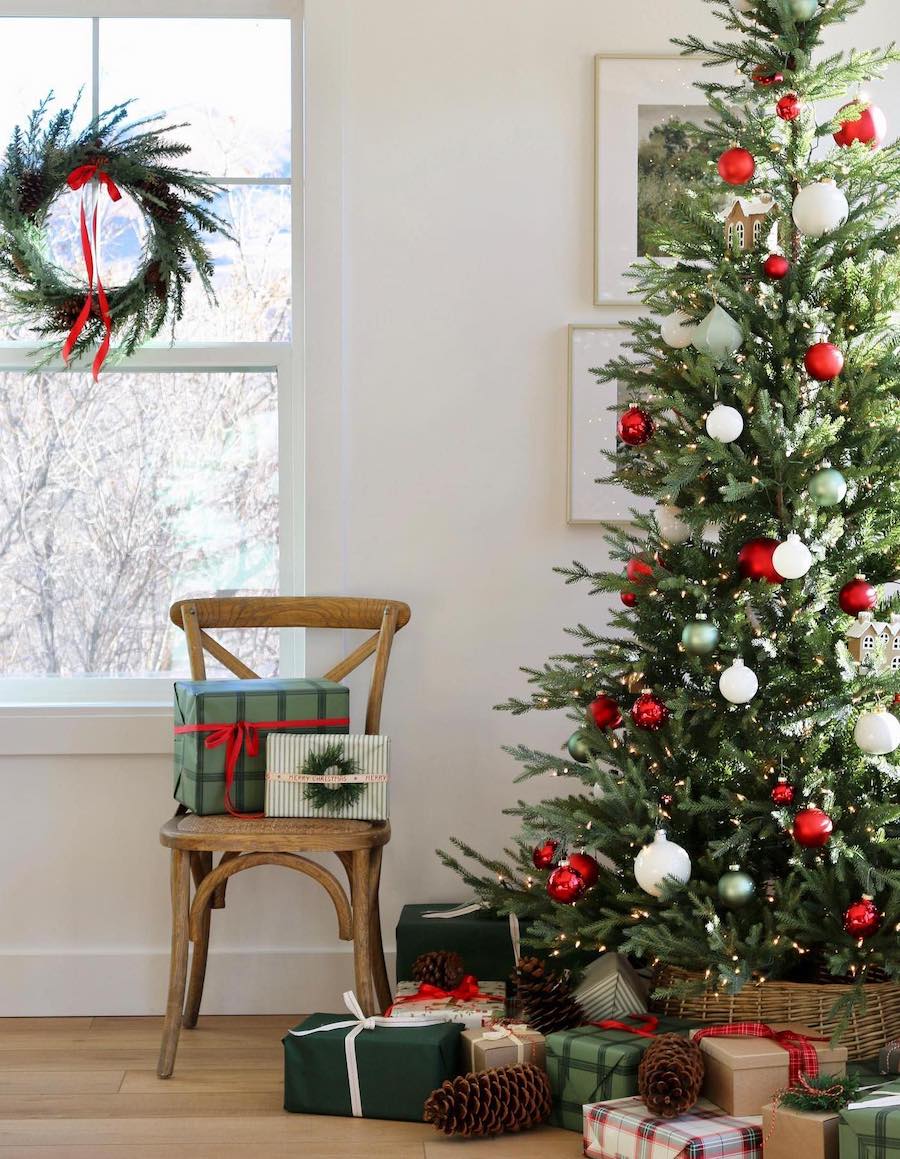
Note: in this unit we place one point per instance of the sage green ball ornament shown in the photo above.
(579, 748)
(804, 9)
(736, 888)
(699, 636)
(827, 487)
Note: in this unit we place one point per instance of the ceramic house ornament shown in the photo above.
(748, 224)
(718, 335)
(875, 643)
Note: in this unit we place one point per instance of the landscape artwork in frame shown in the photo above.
(647, 155)
(592, 429)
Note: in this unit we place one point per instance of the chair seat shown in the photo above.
(290, 835)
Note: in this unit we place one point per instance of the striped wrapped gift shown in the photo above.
(612, 988)
(623, 1129)
(327, 776)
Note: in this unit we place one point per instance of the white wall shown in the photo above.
(450, 244)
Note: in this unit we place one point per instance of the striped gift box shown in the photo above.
(344, 777)
(611, 988)
(623, 1129)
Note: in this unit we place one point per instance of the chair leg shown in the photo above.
(379, 968)
(201, 864)
(181, 884)
(362, 926)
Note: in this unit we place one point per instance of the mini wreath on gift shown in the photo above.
(112, 154)
(332, 763)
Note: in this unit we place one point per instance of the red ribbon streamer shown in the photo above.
(802, 1057)
(244, 734)
(80, 178)
(466, 991)
(648, 1030)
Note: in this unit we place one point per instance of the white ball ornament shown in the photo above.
(672, 527)
(724, 423)
(877, 733)
(659, 860)
(820, 208)
(718, 335)
(677, 330)
(792, 559)
(738, 684)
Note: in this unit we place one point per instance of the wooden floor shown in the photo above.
(87, 1088)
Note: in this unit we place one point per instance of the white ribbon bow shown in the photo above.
(462, 911)
(497, 1033)
(355, 1027)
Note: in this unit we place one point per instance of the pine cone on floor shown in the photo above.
(31, 192)
(670, 1075)
(508, 1098)
(544, 999)
(443, 968)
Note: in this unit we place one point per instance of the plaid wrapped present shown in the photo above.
(220, 731)
(471, 1004)
(488, 942)
(591, 1064)
(622, 1129)
(327, 776)
(870, 1127)
(889, 1058)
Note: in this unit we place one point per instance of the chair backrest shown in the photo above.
(383, 617)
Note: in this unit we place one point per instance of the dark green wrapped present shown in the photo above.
(488, 942)
(397, 1064)
(590, 1065)
(870, 1127)
(221, 728)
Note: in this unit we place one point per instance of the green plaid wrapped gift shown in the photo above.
(591, 1065)
(220, 731)
(624, 1129)
(870, 1127)
(327, 776)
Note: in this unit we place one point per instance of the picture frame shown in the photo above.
(592, 429)
(636, 99)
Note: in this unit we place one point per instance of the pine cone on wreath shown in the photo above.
(443, 968)
(670, 1075)
(154, 280)
(508, 1098)
(544, 999)
(161, 202)
(65, 314)
(31, 192)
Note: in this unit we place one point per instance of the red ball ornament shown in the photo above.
(870, 127)
(603, 713)
(629, 599)
(857, 596)
(565, 885)
(649, 712)
(736, 166)
(789, 107)
(755, 560)
(824, 361)
(776, 267)
(636, 570)
(783, 793)
(587, 866)
(543, 856)
(862, 919)
(767, 80)
(812, 828)
(636, 427)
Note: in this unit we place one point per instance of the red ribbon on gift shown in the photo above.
(80, 178)
(466, 991)
(244, 734)
(648, 1030)
(802, 1057)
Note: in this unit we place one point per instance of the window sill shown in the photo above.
(139, 728)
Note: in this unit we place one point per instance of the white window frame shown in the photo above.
(21, 696)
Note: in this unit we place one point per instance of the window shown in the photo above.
(757, 231)
(172, 476)
(868, 643)
(739, 232)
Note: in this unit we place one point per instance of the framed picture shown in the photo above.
(592, 429)
(645, 145)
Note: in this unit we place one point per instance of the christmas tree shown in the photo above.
(733, 806)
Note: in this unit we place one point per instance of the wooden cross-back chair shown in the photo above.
(244, 844)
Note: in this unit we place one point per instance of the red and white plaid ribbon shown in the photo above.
(802, 1057)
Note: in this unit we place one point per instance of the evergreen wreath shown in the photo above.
(332, 761)
(824, 1092)
(47, 157)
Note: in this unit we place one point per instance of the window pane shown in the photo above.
(229, 79)
(118, 498)
(40, 55)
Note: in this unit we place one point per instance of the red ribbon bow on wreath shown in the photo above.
(802, 1057)
(80, 178)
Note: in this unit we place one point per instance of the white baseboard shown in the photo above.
(48, 983)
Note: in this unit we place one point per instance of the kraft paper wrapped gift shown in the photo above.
(221, 728)
(591, 1065)
(488, 942)
(743, 1073)
(793, 1134)
(623, 1129)
(869, 1128)
(473, 1003)
(300, 782)
(493, 1046)
(375, 1068)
